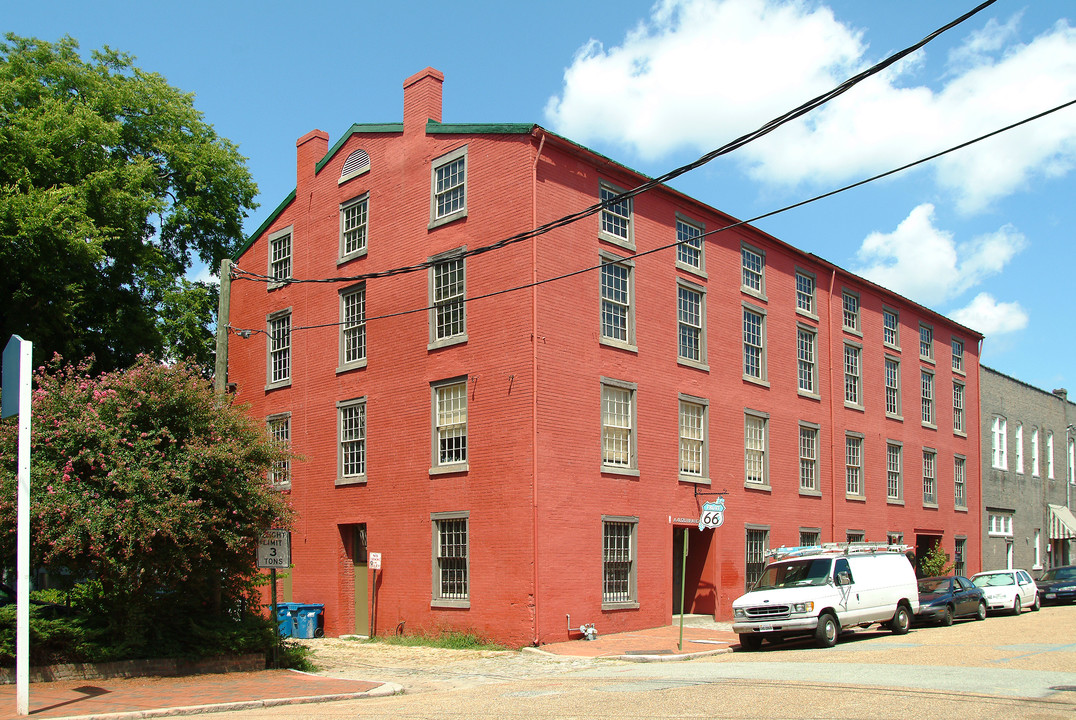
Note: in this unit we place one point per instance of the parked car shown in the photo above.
(943, 598)
(1057, 585)
(1008, 589)
(821, 591)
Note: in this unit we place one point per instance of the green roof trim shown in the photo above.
(357, 129)
(435, 128)
(261, 228)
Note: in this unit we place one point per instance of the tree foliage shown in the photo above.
(111, 183)
(146, 482)
(935, 562)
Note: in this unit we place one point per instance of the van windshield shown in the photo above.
(794, 573)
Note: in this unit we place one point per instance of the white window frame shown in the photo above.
(280, 259)
(808, 454)
(999, 524)
(930, 477)
(278, 346)
(437, 216)
(1019, 448)
(853, 375)
(616, 221)
(960, 482)
(756, 542)
(620, 561)
(926, 342)
(618, 427)
(806, 293)
(927, 397)
(694, 423)
(958, 355)
(352, 328)
(894, 472)
(807, 360)
(1050, 454)
(1072, 461)
(959, 417)
(753, 270)
(1034, 451)
(615, 302)
(998, 443)
(756, 449)
(351, 443)
(894, 331)
(278, 426)
(893, 407)
(691, 327)
(450, 422)
(853, 466)
(354, 224)
(690, 245)
(451, 559)
(851, 320)
(448, 299)
(752, 350)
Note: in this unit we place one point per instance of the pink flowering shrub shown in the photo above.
(149, 484)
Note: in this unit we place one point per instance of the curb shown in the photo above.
(383, 690)
(677, 657)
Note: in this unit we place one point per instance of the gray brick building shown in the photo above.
(1028, 474)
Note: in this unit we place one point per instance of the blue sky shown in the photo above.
(985, 236)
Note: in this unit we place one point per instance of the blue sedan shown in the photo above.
(943, 598)
(1058, 585)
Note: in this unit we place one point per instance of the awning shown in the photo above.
(1062, 523)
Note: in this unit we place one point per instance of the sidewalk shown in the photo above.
(131, 698)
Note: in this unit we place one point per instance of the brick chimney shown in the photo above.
(422, 99)
(309, 150)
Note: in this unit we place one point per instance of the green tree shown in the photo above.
(935, 562)
(150, 484)
(111, 183)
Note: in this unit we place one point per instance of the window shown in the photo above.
(808, 459)
(351, 421)
(894, 479)
(693, 429)
(617, 316)
(894, 538)
(1038, 550)
(618, 562)
(855, 536)
(279, 349)
(928, 398)
(689, 248)
(810, 538)
(754, 344)
(805, 350)
(890, 328)
(353, 327)
(448, 314)
(853, 467)
(1000, 525)
(357, 163)
(960, 551)
(926, 342)
(756, 541)
(279, 427)
(1019, 447)
(892, 387)
(1050, 455)
(449, 187)
(618, 425)
(616, 217)
(451, 560)
(958, 408)
(691, 319)
(805, 292)
(279, 257)
(756, 431)
(852, 390)
(1034, 452)
(450, 425)
(850, 305)
(998, 442)
(930, 486)
(353, 216)
(1072, 461)
(960, 482)
(754, 265)
(958, 355)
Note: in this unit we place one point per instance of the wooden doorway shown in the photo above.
(359, 561)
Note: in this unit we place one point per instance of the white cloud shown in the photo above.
(991, 317)
(924, 263)
(698, 73)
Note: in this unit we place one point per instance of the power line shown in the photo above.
(245, 332)
(767, 128)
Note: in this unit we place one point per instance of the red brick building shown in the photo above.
(524, 433)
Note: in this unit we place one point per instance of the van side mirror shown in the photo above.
(844, 578)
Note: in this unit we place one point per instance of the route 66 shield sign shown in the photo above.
(713, 514)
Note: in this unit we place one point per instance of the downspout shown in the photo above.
(534, 381)
(832, 400)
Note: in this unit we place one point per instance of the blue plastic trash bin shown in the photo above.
(310, 620)
(287, 617)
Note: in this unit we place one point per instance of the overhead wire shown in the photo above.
(803, 109)
(724, 228)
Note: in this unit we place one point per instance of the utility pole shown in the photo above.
(220, 370)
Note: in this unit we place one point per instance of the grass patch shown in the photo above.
(446, 639)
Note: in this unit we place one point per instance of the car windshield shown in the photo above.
(794, 573)
(934, 585)
(1059, 574)
(993, 580)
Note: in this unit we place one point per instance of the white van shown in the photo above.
(823, 590)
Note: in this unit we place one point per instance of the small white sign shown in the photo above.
(274, 549)
(375, 561)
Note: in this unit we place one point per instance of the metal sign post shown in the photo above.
(16, 401)
(274, 551)
(374, 560)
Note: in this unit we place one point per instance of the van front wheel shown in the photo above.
(751, 643)
(901, 621)
(826, 633)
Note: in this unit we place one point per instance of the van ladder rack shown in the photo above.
(835, 549)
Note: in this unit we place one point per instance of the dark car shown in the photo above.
(943, 598)
(1057, 585)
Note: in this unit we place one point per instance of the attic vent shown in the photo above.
(357, 163)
